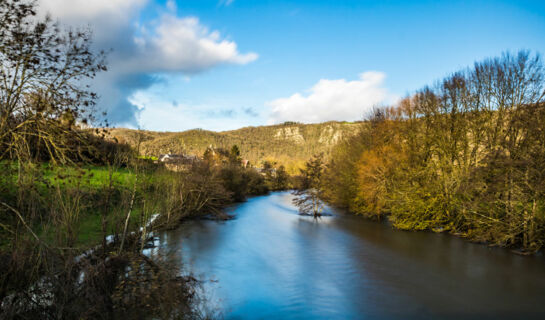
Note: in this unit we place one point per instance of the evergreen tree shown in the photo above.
(234, 155)
(281, 179)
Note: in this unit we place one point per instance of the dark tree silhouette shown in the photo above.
(43, 82)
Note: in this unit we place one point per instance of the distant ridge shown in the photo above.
(290, 144)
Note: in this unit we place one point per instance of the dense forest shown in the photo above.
(465, 156)
(290, 144)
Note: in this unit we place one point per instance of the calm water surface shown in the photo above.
(271, 263)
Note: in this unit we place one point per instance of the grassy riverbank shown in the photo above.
(105, 192)
(52, 213)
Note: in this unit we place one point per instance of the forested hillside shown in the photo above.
(290, 143)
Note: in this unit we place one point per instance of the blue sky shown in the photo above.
(223, 64)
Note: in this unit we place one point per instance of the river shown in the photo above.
(271, 263)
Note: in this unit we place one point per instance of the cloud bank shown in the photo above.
(327, 100)
(184, 45)
(89, 9)
(143, 50)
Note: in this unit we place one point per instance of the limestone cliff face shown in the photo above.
(326, 135)
(290, 133)
(331, 135)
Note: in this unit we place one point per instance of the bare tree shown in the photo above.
(308, 197)
(43, 73)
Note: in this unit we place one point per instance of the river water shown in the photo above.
(271, 263)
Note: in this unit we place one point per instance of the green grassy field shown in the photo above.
(51, 183)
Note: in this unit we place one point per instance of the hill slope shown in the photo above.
(290, 144)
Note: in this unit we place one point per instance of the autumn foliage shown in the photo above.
(465, 156)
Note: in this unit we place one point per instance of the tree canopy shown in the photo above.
(464, 156)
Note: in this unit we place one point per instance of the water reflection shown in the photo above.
(272, 263)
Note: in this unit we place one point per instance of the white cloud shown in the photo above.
(110, 20)
(333, 100)
(183, 44)
(142, 49)
(169, 44)
(90, 9)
